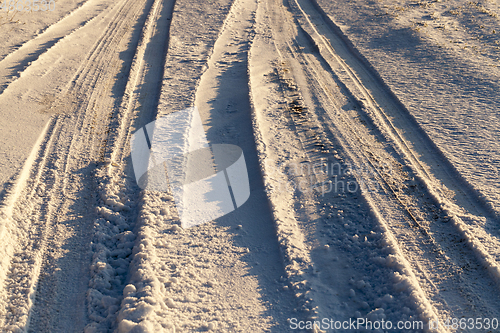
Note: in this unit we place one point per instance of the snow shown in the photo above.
(366, 184)
(446, 77)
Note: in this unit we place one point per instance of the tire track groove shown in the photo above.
(425, 211)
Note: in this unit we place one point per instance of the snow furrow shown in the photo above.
(15, 63)
(74, 143)
(439, 175)
(423, 220)
(11, 228)
(217, 275)
(86, 128)
(42, 90)
(319, 298)
(434, 185)
(114, 241)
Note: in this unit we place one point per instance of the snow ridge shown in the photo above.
(434, 186)
(115, 244)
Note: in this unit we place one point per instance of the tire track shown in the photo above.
(344, 288)
(431, 212)
(55, 246)
(441, 177)
(42, 90)
(421, 236)
(470, 212)
(114, 246)
(205, 277)
(15, 63)
(324, 235)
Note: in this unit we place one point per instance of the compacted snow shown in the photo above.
(369, 130)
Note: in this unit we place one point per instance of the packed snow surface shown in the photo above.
(365, 195)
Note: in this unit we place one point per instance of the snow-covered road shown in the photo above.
(370, 135)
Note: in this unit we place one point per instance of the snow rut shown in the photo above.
(96, 254)
(436, 173)
(222, 275)
(383, 222)
(324, 234)
(52, 212)
(337, 103)
(15, 63)
(471, 213)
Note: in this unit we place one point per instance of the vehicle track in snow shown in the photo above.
(412, 203)
(87, 230)
(13, 64)
(86, 250)
(426, 214)
(223, 275)
(50, 285)
(475, 217)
